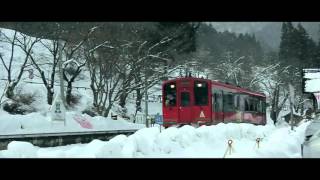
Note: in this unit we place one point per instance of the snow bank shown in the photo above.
(41, 123)
(313, 85)
(17, 149)
(184, 142)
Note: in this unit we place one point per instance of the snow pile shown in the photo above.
(41, 123)
(313, 85)
(313, 82)
(184, 142)
(17, 149)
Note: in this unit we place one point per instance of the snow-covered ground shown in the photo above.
(185, 142)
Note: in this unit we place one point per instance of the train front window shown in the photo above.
(170, 92)
(201, 93)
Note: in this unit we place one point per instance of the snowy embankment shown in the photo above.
(41, 123)
(185, 142)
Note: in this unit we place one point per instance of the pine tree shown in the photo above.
(287, 45)
(316, 54)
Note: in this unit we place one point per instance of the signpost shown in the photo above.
(58, 110)
(159, 120)
(30, 73)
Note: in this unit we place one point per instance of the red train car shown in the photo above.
(197, 101)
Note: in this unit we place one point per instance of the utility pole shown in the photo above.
(146, 94)
(62, 96)
(291, 99)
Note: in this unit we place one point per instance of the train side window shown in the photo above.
(217, 101)
(255, 104)
(185, 99)
(242, 103)
(260, 106)
(246, 104)
(228, 102)
(251, 104)
(237, 102)
(263, 107)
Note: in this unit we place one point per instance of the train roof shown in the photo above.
(240, 89)
(221, 84)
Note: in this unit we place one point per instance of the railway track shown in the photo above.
(60, 139)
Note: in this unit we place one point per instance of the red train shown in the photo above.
(197, 101)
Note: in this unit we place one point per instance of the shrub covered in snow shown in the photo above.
(90, 111)
(21, 103)
(16, 107)
(74, 99)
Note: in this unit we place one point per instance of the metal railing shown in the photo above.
(140, 119)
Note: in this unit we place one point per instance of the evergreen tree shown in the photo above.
(317, 56)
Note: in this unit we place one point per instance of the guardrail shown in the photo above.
(60, 139)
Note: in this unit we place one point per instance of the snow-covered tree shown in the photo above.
(270, 81)
(17, 43)
(47, 63)
(59, 50)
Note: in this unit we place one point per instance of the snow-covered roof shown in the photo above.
(312, 80)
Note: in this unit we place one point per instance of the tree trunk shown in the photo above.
(49, 96)
(123, 98)
(274, 105)
(10, 92)
(93, 89)
(106, 112)
(138, 101)
(69, 95)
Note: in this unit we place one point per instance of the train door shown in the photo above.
(185, 108)
(170, 105)
(217, 100)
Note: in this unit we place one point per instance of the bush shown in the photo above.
(14, 107)
(90, 111)
(122, 112)
(24, 98)
(20, 104)
(74, 100)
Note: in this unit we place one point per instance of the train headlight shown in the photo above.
(172, 86)
(199, 85)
